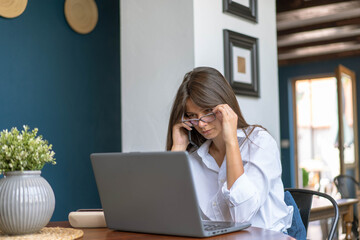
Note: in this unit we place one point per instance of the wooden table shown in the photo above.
(251, 233)
(322, 208)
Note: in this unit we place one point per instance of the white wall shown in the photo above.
(209, 22)
(157, 49)
(163, 39)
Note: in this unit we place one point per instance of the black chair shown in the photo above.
(347, 186)
(303, 199)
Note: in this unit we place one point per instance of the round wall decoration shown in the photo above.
(12, 8)
(82, 15)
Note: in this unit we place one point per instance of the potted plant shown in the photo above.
(27, 200)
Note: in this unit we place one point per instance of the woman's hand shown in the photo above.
(180, 137)
(229, 120)
(234, 164)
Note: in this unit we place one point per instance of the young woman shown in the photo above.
(236, 166)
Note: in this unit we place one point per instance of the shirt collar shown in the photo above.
(241, 132)
(204, 148)
(205, 156)
(203, 151)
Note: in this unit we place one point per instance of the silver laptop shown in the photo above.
(152, 192)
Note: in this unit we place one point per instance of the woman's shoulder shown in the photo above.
(253, 131)
(258, 136)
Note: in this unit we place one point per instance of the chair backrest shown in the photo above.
(346, 185)
(303, 199)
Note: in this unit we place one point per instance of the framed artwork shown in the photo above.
(242, 8)
(241, 63)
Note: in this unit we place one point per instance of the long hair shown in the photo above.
(207, 88)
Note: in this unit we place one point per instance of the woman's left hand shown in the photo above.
(229, 120)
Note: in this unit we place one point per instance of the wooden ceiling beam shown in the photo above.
(318, 15)
(320, 50)
(328, 10)
(343, 22)
(343, 54)
(320, 36)
(289, 5)
(312, 30)
(312, 44)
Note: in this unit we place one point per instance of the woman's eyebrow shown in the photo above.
(201, 110)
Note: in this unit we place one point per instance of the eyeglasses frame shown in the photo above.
(194, 119)
(198, 119)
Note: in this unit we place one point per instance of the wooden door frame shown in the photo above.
(293, 90)
(341, 69)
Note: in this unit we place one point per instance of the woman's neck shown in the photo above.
(217, 150)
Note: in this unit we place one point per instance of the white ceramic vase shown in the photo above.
(27, 202)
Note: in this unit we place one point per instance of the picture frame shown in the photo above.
(241, 63)
(243, 8)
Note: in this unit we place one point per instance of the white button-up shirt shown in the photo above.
(256, 196)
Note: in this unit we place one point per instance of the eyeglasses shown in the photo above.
(208, 118)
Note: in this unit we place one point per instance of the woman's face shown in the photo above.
(208, 130)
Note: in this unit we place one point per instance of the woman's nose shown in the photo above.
(202, 124)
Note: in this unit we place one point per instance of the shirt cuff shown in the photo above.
(242, 190)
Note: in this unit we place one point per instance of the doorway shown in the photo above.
(325, 128)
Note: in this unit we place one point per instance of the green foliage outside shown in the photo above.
(305, 177)
(21, 151)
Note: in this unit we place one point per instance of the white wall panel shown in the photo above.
(209, 22)
(161, 40)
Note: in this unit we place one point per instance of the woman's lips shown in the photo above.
(206, 132)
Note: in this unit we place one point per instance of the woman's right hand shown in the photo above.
(180, 137)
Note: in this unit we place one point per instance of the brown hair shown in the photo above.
(207, 88)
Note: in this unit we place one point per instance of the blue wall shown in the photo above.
(286, 73)
(67, 85)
